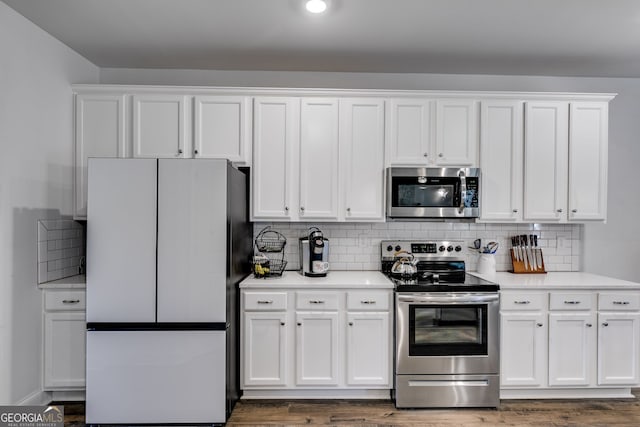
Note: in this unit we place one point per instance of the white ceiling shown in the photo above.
(533, 37)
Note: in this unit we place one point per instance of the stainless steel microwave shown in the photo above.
(414, 193)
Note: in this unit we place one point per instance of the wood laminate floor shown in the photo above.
(521, 413)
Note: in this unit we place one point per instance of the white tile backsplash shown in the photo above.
(60, 249)
(357, 246)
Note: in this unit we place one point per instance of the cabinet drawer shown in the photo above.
(522, 301)
(619, 301)
(265, 301)
(64, 300)
(571, 301)
(317, 300)
(368, 300)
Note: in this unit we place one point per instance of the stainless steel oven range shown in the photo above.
(446, 327)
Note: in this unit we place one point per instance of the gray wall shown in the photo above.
(36, 182)
(611, 249)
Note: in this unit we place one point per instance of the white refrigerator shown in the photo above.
(168, 241)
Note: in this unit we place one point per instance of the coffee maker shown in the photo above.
(314, 254)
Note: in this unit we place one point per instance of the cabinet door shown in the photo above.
(588, 142)
(456, 132)
(523, 349)
(64, 350)
(275, 138)
(319, 172)
(222, 128)
(501, 160)
(546, 157)
(368, 349)
(572, 348)
(264, 349)
(409, 132)
(618, 348)
(100, 132)
(159, 126)
(317, 348)
(362, 159)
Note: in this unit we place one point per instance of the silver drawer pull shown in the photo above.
(265, 301)
(70, 301)
(316, 301)
(368, 302)
(522, 302)
(621, 302)
(572, 302)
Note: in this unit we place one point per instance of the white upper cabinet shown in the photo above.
(546, 160)
(100, 132)
(319, 159)
(456, 132)
(222, 128)
(362, 159)
(501, 160)
(409, 132)
(588, 142)
(425, 132)
(275, 170)
(159, 126)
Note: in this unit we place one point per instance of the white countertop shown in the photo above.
(73, 282)
(555, 280)
(334, 279)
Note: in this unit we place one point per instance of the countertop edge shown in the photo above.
(72, 282)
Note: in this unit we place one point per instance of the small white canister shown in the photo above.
(486, 264)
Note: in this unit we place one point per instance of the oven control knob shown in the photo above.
(441, 248)
(449, 248)
(398, 247)
(458, 248)
(389, 248)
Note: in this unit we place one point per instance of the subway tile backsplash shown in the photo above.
(60, 249)
(356, 246)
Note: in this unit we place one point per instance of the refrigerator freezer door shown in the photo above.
(155, 377)
(192, 240)
(121, 240)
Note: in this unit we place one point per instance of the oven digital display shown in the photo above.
(424, 248)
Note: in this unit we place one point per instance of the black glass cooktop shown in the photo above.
(469, 284)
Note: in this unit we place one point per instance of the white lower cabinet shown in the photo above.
(569, 343)
(315, 340)
(64, 340)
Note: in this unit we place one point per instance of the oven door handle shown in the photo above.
(448, 298)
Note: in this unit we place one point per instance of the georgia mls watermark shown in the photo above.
(32, 416)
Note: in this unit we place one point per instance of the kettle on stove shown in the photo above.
(314, 254)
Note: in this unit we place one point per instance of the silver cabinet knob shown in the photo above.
(515, 211)
(348, 209)
(589, 325)
(301, 208)
(559, 210)
(426, 154)
(574, 210)
(286, 208)
(195, 152)
(281, 323)
(539, 325)
(350, 323)
(440, 155)
(299, 324)
(179, 150)
(605, 324)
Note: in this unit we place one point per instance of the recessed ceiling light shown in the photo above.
(316, 6)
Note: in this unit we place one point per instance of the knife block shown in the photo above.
(519, 266)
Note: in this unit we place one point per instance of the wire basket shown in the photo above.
(269, 240)
(268, 267)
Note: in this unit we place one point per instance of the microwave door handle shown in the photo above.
(463, 192)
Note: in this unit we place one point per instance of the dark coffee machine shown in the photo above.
(314, 254)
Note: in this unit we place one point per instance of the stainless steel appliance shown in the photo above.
(433, 192)
(314, 254)
(167, 244)
(447, 329)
